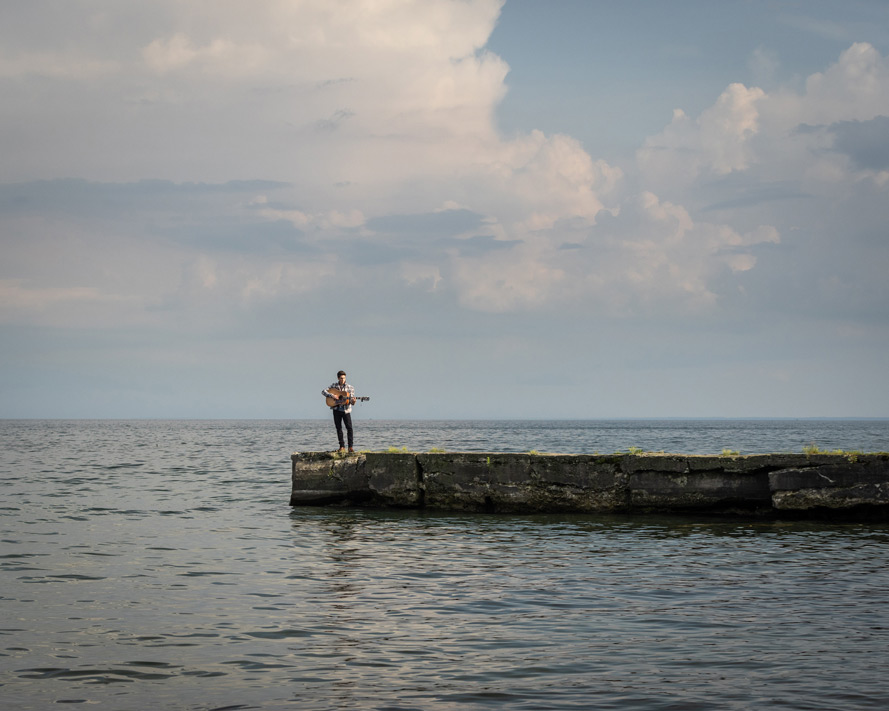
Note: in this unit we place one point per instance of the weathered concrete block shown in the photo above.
(860, 481)
(742, 463)
(475, 482)
(863, 470)
(704, 489)
(576, 482)
(521, 482)
(580, 471)
(864, 495)
(393, 478)
(667, 463)
(324, 478)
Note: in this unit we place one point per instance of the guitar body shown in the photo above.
(336, 402)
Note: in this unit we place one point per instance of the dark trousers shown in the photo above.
(338, 419)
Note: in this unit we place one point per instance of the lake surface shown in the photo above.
(156, 564)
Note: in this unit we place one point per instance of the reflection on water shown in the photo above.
(654, 614)
(160, 566)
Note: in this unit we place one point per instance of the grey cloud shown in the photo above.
(333, 123)
(740, 190)
(478, 245)
(805, 128)
(435, 233)
(404, 247)
(324, 84)
(865, 142)
(259, 238)
(425, 236)
(757, 196)
(77, 196)
(430, 224)
(208, 217)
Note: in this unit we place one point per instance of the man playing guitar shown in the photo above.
(344, 396)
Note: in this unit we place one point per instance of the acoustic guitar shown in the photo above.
(337, 401)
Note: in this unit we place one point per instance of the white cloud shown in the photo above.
(658, 253)
(749, 130)
(717, 142)
(368, 109)
(210, 91)
(854, 88)
(220, 57)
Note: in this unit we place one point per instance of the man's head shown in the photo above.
(341, 376)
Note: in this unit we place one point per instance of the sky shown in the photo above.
(560, 209)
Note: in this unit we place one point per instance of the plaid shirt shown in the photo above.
(344, 388)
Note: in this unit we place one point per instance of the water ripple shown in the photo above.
(157, 564)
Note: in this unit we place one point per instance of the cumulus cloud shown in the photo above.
(750, 130)
(854, 88)
(805, 169)
(761, 153)
(717, 142)
(323, 92)
(372, 128)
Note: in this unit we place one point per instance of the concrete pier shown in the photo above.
(854, 486)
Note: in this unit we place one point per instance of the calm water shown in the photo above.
(157, 564)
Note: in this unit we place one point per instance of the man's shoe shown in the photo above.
(341, 449)
(351, 450)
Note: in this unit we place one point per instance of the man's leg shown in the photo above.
(347, 418)
(338, 423)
